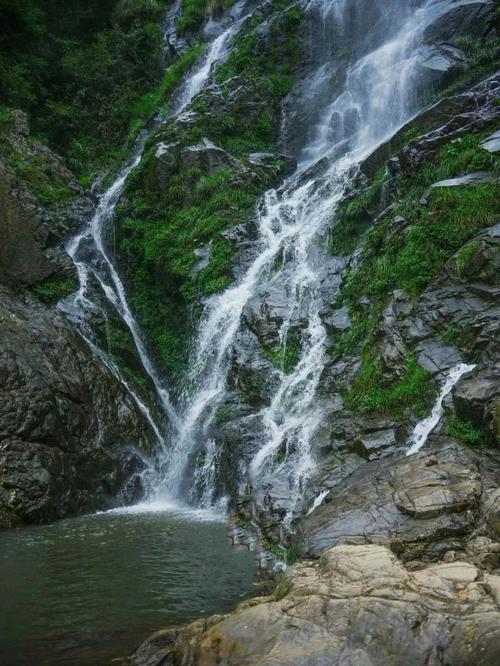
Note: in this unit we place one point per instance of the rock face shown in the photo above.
(356, 605)
(33, 233)
(420, 506)
(70, 433)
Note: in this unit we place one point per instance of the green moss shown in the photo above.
(287, 555)
(482, 60)
(163, 224)
(410, 258)
(282, 589)
(243, 523)
(152, 101)
(454, 335)
(50, 291)
(372, 394)
(285, 356)
(354, 215)
(466, 432)
(354, 339)
(465, 257)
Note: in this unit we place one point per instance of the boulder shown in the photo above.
(476, 399)
(460, 18)
(72, 439)
(410, 504)
(492, 143)
(338, 320)
(356, 605)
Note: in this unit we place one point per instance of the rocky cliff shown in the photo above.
(72, 439)
(320, 297)
(402, 552)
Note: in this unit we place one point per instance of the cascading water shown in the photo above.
(376, 100)
(424, 428)
(89, 250)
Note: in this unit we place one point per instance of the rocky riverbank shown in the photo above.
(355, 605)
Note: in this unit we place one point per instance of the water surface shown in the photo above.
(87, 590)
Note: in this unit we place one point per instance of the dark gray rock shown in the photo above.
(440, 58)
(407, 503)
(338, 320)
(71, 436)
(33, 235)
(460, 18)
(492, 143)
(371, 445)
(476, 399)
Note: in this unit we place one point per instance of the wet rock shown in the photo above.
(251, 373)
(70, 434)
(437, 357)
(337, 321)
(459, 19)
(266, 313)
(476, 399)
(210, 159)
(273, 164)
(371, 445)
(407, 503)
(357, 605)
(492, 143)
(440, 58)
(442, 122)
(33, 234)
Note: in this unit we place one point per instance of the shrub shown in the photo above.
(371, 393)
(466, 432)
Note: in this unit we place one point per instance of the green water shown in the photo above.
(87, 590)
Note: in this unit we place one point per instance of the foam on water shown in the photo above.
(171, 507)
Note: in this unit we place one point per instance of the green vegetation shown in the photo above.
(354, 216)
(194, 13)
(51, 291)
(122, 350)
(287, 355)
(482, 59)
(465, 256)
(466, 432)
(176, 208)
(287, 555)
(409, 258)
(151, 102)
(81, 72)
(456, 335)
(158, 240)
(406, 250)
(46, 179)
(371, 393)
(243, 523)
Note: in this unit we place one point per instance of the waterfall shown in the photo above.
(375, 101)
(93, 258)
(345, 106)
(424, 428)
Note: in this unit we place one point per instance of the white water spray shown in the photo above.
(92, 257)
(376, 101)
(424, 428)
